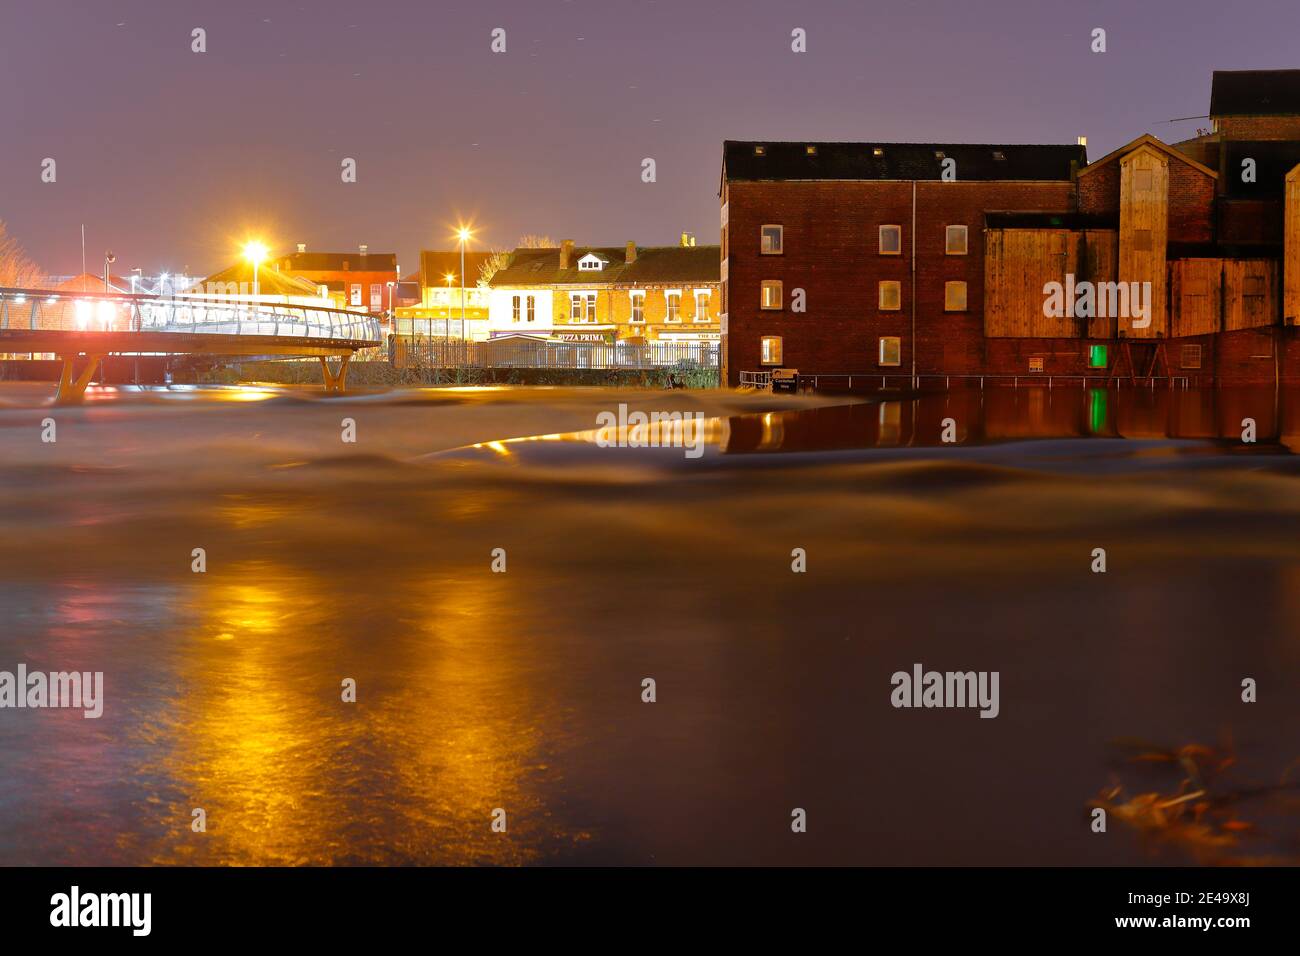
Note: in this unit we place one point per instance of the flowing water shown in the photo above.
(372, 560)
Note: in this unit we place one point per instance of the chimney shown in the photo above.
(630, 256)
(687, 239)
(566, 253)
(1081, 141)
(302, 247)
(364, 247)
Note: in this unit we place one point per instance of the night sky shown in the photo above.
(173, 158)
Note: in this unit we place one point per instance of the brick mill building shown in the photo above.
(900, 259)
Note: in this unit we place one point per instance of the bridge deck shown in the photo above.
(64, 342)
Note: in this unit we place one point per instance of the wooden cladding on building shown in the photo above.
(1020, 263)
(1219, 295)
(1291, 245)
(1143, 233)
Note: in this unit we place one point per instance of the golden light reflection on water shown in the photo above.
(445, 729)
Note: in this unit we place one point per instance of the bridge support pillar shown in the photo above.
(335, 381)
(73, 389)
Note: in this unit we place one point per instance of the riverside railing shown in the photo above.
(452, 353)
(46, 310)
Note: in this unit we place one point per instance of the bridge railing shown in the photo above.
(47, 310)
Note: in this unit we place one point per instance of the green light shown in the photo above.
(1097, 402)
(1096, 356)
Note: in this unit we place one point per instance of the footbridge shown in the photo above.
(81, 328)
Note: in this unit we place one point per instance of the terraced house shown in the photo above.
(625, 294)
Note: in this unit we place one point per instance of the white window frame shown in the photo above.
(880, 295)
(516, 302)
(532, 308)
(707, 296)
(965, 240)
(668, 310)
(763, 350)
(633, 295)
(880, 240)
(780, 288)
(880, 355)
(780, 239)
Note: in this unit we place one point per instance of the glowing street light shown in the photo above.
(255, 252)
(463, 234)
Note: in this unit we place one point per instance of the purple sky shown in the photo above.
(171, 158)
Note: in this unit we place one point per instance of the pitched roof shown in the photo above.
(269, 281)
(334, 261)
(435, 264)
(1146, 139)
(654, 265)
(1255, 93)
(749, 160)
(89, 282)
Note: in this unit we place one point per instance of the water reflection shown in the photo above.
(1005, 414)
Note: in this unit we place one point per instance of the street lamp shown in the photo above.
(255, 252)
(109, 259)
(446, 325)
(463, 234)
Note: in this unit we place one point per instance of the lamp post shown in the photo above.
(255, 252)
(463, 234)
(446, 325)
(109, 259)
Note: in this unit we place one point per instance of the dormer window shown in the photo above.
(591, 263)
(877, 151)
(810, 150)
(760, 150)
(940, 154)
(999, 156)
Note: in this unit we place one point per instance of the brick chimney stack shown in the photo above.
(630, 256)
(566, 253)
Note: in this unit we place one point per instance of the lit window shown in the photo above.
(771, 349)
(772, 298)
(514, 309)
(999, 156)
(891, 350)
(354, 294)
(532, 308)
(954, 297)
(955, 241)
(810, 150)
(638, 306)
(891, 296)
(772, 240)
(702, 306)
(877, 151)
(891, 240)
(1191, 356)
(1035, 363)
(674, 306)
(1096, 356)
(760, 150)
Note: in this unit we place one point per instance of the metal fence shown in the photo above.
(44, 310)
(514, 353)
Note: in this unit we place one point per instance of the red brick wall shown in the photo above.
(1258, 127)
(831, 251)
